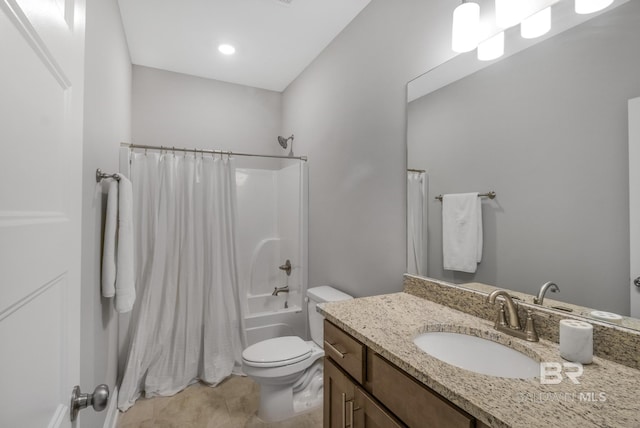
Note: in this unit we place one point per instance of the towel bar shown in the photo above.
(490, 195)
(101, 176)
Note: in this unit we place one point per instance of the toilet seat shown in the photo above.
(277, 352)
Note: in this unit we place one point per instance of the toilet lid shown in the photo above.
(280, 351)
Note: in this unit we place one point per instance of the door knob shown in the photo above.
(98, 400)
(636, 282)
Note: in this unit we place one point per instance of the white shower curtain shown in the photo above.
(416, 223)
(187, 324)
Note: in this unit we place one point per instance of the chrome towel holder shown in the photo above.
(101, 176)
(490, 195)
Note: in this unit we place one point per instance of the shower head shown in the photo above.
(283, 141)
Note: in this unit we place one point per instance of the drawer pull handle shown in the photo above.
(334, 349)
(352, 409)
(344, 410)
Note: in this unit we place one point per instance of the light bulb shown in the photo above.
(584, 7)
(466, 23)
(491, 48)
(537, 24)
(508, 13)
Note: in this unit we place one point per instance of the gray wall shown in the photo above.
(107, 121)
(348, 112)
(547, 130)
(173, 109)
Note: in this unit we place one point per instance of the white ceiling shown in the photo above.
(275, 40)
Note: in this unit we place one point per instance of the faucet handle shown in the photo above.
(286, 267)
(501, 319)
(530, 328)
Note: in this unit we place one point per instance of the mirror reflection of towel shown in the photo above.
(461, 232)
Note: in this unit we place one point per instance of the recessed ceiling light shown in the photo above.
(227, 49)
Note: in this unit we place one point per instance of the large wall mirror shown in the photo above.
(546, 129)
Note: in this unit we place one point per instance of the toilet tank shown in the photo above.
(317, 295)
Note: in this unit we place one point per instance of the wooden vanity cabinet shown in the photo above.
(347, 405)
(362, 389)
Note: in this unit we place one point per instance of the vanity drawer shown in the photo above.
(346, 351)
(412, 402)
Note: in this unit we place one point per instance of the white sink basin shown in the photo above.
(478, 355)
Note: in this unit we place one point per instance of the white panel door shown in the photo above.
(41, 91)
(634, 203)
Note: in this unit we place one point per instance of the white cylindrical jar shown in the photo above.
(576, 341)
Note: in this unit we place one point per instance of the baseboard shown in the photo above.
(111, 420)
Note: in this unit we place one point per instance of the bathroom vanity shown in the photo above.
(375, 375)
(362, 389)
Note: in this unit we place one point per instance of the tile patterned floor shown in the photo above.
(232, 404)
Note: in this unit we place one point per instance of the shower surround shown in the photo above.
(272, 228)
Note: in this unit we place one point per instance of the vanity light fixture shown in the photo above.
(508, 13)
(466, 25)
(491, 48)
(537, 24)
(226, 49)
(584, 7)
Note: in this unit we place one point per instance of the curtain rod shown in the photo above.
(415, 170)
(213, 152)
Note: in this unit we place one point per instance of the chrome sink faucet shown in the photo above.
(547, 286)
(512, 326)
(278, 290)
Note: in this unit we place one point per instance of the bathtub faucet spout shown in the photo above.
(278, 290)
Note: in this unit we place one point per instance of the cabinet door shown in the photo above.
(413, 403)
(339, 393)
(367, 413)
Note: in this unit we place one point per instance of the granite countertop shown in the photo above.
(608, 394)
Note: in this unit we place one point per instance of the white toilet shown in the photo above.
(289, 369)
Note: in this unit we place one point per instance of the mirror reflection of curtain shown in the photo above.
(416, 222)
(634, 202)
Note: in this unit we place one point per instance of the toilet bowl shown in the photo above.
(289, 369)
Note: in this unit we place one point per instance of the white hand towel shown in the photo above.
(125, 279)
(109, 249)
(461, 232)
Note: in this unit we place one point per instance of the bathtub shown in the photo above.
(266, 317)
